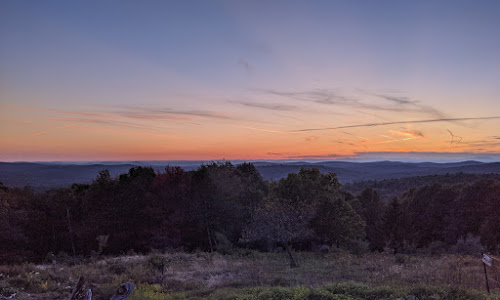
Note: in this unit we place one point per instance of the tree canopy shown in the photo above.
(220, 205)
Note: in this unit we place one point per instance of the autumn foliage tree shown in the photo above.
(303, 206)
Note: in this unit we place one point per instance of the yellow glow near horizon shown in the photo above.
(72, 135)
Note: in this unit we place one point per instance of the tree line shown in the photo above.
(222, 207)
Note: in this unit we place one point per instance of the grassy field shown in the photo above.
(254, 275)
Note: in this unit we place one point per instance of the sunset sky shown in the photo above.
(202, 80)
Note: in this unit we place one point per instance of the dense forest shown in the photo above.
(389, 188)
(222, 207)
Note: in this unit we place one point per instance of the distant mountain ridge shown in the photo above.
(352, 172)
(46, 175)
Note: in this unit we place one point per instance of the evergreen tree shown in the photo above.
(373, 215)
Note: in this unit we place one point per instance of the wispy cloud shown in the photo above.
(274, 153)
(271, 106)
(133, 112)
(261, 129)
(351, 134)
(322, 96)
(481, 143)
(109, 122)
(318, 156)
(426, 156)
(392, 140)
(311, 138)
(398, 122)
(398, 99)
(66, 126)
(345, 143)
(332, 97)
(408, 133)
(411, 104)
(39, 133)
(397, 156)
(123, 116)
(159, 113)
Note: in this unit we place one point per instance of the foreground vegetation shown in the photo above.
(255, 275)
(236, 237)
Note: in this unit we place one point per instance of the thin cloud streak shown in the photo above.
(107, 122)
(270, 106)
(329, 97)
(408, 133)
(162, 113)
(274, 153)
(481, 144)
(398, 99)
(348, 133)
(263, 130)
(394, 140)
(120, 116)
(344, 143)
(398, 156)
(311, 138)
(397, 122)
(39, 133)
(405, 101)
(426, 156)
(132, 113)
(319, 156)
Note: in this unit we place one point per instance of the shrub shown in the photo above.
(470, 245)
(224, 246)
(356, 247)
(435, 248)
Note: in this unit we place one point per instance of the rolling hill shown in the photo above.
(42, 176)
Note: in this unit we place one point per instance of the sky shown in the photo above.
(247, 80)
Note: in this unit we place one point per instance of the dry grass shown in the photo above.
(202, 274)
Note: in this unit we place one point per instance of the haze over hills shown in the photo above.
(45, 175)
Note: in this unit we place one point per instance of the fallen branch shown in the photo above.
(123, 291)
(78, 292)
